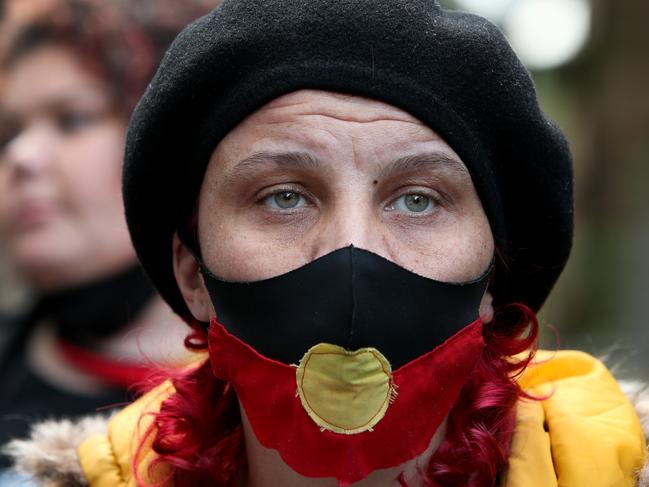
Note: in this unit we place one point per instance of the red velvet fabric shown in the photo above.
(427, 389)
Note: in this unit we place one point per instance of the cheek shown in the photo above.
(471, 248)
(90, 185)
(236, 248)
(92, 165)
(458, 249)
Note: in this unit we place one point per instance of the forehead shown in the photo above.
(316, 106)
(326, 122)
(48, 74)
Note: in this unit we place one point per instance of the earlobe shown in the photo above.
(190, 282)
(486, 308)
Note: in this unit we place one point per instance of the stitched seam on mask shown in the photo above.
(392, 393)
(350, 336)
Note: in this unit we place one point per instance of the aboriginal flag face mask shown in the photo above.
(348, 364)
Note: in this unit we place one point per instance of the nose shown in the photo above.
(352, 221)
(30, 152)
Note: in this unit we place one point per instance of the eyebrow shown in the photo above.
(437, 161)
(290, 160)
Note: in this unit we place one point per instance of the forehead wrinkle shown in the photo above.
(281, 116)
(336, 106)
(437, 161)
(270, 160)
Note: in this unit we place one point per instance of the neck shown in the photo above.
(267, 469)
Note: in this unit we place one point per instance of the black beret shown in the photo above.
(452, 70)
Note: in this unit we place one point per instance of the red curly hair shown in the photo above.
(197, 433)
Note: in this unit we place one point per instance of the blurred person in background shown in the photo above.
(71, 74)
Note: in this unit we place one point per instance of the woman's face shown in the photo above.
(312, 172)
(61, 215)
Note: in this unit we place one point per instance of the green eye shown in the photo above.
(417, 202)
(413, 203)
(285, 200)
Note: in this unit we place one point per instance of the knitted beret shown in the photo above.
(452, 70)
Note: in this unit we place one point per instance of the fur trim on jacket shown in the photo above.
(49, 455)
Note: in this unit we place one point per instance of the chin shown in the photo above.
(44, 261)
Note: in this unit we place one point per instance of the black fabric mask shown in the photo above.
(352, 298)
(99, 308)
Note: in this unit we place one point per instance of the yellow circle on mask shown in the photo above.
(342, 391)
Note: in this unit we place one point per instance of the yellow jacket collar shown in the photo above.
(585, 433)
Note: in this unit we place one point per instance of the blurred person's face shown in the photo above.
(61, 215)
(312, 172)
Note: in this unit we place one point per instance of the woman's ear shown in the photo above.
(190, 281)
(486, 308)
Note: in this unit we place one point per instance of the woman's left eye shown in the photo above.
(285, 200)
(412, 203)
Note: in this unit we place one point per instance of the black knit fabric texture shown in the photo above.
(453, 70)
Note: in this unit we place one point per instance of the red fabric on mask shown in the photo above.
(427, 389)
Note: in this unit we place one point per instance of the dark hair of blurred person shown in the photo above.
(71, 76)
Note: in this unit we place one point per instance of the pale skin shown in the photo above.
(61, 213)
(312, 172)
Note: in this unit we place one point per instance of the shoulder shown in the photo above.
(580, 417)
(94, 451)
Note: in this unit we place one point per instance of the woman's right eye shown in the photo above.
(285, 200)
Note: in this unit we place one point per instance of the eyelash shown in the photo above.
(265, 196)
(432, 203)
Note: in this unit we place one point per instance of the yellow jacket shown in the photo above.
(585, 434)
